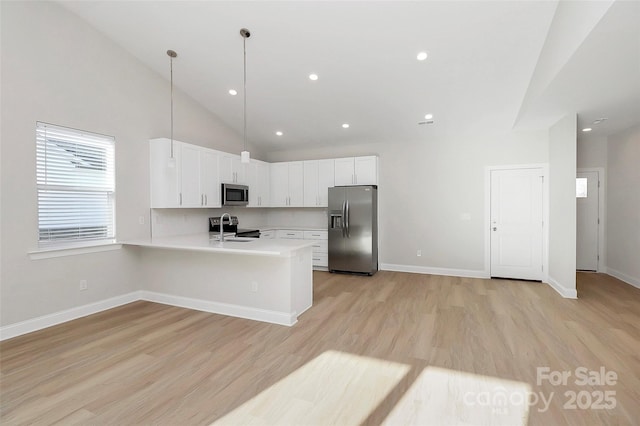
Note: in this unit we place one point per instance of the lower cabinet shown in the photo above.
(320, 247)
(320, 243)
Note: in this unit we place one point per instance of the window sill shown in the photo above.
(73, 249)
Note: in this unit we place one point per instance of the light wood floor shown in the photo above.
(396, 346)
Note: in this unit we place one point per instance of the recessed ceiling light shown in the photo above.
(345, 126)
(233, 92)
(313, 77)
(279, 133)
(422, 56)
(428, 117)
(587, 129)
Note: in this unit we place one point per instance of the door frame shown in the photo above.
(602, 211)
(544, 169)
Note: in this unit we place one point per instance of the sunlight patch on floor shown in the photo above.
(334, 388)
(442, 397)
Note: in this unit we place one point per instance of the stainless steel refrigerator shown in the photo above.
(353, 229)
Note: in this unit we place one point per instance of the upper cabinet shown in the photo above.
(319, 176)
(287, 188)
(210, 178)
(232, 170)
(164, 173)
(356, 171)
(190, 180)
(259, 188)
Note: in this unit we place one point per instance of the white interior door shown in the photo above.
(587, 207)
(516, 223)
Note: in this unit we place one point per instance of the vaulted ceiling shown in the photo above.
(491, 65)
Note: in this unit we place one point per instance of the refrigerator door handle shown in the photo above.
(344, 212)
(346, 220)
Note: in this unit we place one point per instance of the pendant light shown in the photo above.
(244, 155)
(172, 54)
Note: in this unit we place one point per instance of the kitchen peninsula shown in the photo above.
(260, 279)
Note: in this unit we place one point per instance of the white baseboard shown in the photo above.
(256, 314)
(35, 324)
(623, 277)
(466, 273)
(567, 293)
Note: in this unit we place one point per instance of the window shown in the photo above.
(76, 185)
(581, 187)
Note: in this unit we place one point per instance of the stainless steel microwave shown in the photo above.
(235, 195)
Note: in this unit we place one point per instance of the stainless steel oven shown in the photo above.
(235, 195)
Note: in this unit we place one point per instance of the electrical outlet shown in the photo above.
(254, 286)
(419, 253)
(141, 220)
(83, 285)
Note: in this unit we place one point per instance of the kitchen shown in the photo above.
(201, 179)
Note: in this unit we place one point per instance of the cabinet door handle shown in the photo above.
(181, 198)
(206, 200)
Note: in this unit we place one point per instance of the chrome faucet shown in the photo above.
(222, 225)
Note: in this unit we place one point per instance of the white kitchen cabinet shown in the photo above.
(320, 254)
(191, 181)
(259, 188)
(318, 178)
(190, 195)
(268, 234)
(164, 175)
(199, 182)
(210, 178)
(290, 234)
(287, 184)
(316, 235)
(356, 171)
(232, 170)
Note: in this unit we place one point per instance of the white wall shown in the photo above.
(425, 188)
(623, 206)
(562, 205)
(592, 152)
(55, 68)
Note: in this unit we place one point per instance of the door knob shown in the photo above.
(495, 229)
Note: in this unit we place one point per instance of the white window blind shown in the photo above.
(76, 185)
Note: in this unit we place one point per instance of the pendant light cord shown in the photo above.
(244, 92)
(171, 67)
(172, 54)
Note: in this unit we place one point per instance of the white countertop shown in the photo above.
(290, 228)
(206, 242)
